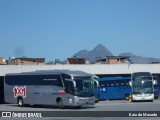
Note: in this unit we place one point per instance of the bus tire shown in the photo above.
(134, 101)
(60, 103)
(151, 100)
(78, 107)
(96, 101)
(156, 97)
(20, 102)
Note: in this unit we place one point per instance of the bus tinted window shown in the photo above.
(102, 83)
(69, 88)
(122, 83)
(59, 81)
(34, 80)
(64, 76)
(127, 83)
(112, 83)
(118, 83)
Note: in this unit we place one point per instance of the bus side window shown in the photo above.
(127, 83)
(107, 84)
(101, 83)
(112, 83)
(117, 83)
(69, 87)
(122, 83)
(59, 81)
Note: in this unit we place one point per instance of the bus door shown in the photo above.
(114, 89)
(118, 90)
(121, 89)
(103, 90)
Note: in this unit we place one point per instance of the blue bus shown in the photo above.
(113, 88)
(156, 87)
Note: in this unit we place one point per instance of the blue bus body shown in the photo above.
(96, 90)
(113, 88)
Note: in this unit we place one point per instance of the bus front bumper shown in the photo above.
(79, 101)
(142, 97)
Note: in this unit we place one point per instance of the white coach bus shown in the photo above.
(142, 85)
(50, 87)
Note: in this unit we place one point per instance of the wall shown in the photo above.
(98, 69)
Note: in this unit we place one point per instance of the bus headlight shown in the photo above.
(77, 98)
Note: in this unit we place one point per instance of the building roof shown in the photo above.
(39, 60)
(118, 57)
(155, 62)
(111, 57)
(76, 61)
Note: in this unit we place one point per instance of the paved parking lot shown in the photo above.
(115, 105)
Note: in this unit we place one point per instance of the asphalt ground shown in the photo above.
(113, 108)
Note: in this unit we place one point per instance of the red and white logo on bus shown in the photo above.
(19, 91)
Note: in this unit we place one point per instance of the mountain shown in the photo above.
(140, 59)
(99, 51)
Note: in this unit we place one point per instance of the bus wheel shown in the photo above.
(20, 102)
(60, 103)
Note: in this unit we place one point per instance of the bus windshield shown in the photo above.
(84, 86)
(142, 85)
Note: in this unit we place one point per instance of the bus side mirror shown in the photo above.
(130, 83)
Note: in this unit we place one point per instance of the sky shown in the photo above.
(57, 29)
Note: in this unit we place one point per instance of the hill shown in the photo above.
(97, 52)
(140, 59)
(101, 51)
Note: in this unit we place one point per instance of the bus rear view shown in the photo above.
(142, 85)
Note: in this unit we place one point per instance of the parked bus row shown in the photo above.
(140, 86)
(76, 88)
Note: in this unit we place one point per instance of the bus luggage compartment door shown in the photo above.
(103, 93)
